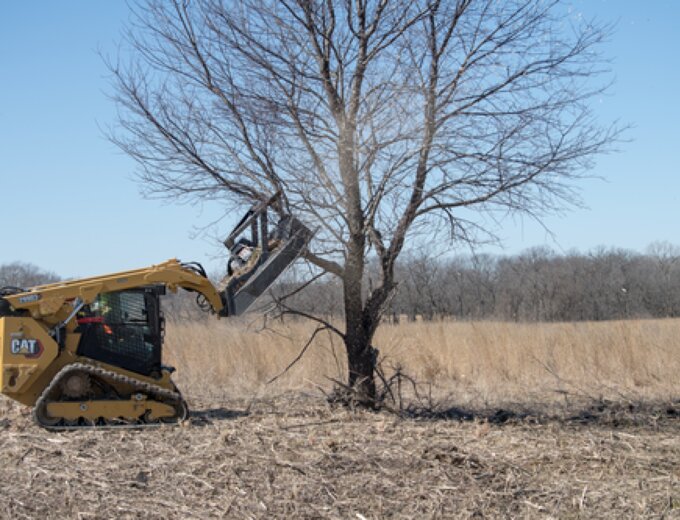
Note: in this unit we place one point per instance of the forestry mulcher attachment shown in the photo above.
(87, 353)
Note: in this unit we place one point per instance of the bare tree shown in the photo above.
(667, 257)
(380, 121)
(24, 274)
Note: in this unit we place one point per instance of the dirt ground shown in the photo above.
(297, 457)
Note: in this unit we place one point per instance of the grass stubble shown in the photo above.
(562, 421)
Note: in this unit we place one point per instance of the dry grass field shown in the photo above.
(531, 421)
(487, 363)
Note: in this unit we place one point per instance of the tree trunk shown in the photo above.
(361, 322)
(361, 362)
(359, 329)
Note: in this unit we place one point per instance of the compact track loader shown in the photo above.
(87, 353)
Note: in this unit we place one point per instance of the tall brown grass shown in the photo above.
(484, 361)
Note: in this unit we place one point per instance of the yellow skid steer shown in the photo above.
(87, 353)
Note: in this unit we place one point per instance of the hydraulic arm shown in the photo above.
(56, 304)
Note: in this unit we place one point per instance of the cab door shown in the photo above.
(123, 329)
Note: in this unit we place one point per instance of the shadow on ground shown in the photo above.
(211, 415)
(601, 412)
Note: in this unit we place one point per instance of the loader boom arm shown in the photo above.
(52, 302)
(277, 247)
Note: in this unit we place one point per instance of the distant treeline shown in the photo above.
(536, 285)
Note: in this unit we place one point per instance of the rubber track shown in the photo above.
(105, 374)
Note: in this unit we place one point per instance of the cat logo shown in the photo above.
(31, 348)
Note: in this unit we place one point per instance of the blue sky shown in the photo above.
(70, 203)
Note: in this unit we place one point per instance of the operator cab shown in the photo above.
(124, 329)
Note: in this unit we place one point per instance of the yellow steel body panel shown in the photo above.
(131, 409)
(32, 375)
(53, 302)
(27, 352)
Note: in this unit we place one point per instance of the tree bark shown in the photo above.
(361, 364)
(360, 357)
(362, 319)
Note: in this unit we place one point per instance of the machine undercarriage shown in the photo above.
(87, 395)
